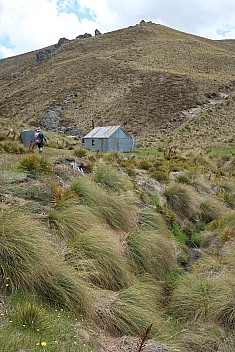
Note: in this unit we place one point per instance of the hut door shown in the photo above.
(102, 145)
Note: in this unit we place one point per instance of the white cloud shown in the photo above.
(33, 24)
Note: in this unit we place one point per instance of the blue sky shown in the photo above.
(27, 25)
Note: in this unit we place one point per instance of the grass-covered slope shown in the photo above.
(141, 77)
(140, 247)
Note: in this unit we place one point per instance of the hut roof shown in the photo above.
(103, 132)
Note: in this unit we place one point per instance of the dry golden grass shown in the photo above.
(141, 77)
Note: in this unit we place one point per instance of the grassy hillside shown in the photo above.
(142, 77)
(137, 254)
(141, 245)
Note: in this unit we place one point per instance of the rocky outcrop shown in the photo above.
(51, 121)
(16, 74)
(84, 36)
(62, 41)
(45, 54)
(97, 32)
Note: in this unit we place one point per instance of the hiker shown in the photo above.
(39, 138)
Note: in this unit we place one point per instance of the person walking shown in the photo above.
(39, 139)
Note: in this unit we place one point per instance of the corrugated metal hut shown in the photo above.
(109, 138)
(27, 137)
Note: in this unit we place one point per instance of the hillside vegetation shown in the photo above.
(136, 254)
(141, 245)
(141, 77)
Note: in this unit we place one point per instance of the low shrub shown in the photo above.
(36, 164)
(179, 234)
(144, 164)
(161, 176)
(80, 152)
(12, 147)
(60, 194)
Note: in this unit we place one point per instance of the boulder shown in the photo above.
(97, 32)
(16, 74)
(62, 41)
(84, 36)
(44, 55)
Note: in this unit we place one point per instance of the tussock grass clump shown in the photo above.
(229, 225)
(117, 210)
(96, 257)
(226, 192)
(151, 253)
(12, 147)
(65, 289)
(33, 317)
(36, 164)
(210, 210)
(201, 338)
(227, 344)
(150, 220)
(224, 226)
(223, 306)
(68, 219)
(209, 266)
(30, 263)
(80, 152)
(192, 298)
(132, 311)
(107, 176)
(182, 201)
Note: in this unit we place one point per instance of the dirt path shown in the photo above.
(193, 112)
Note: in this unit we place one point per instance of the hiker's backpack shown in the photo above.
(37, 138)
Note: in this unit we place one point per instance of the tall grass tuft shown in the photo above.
(33, 317)
(117, 210)
(150, 220)
(36, 164)
(96, 257)
(210, 210)
(132, 311)
(192, 298)
(30, 263)
(68, 219)
(107, 176)
(151, 253)
(201, 338)
(182, 201)
(223, 305)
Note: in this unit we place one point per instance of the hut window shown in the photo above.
(93, 142)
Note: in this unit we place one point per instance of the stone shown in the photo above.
(97, 32)
(44, 55)
(62, 41)
(16, 74)
(51, 121)
(84, 36)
